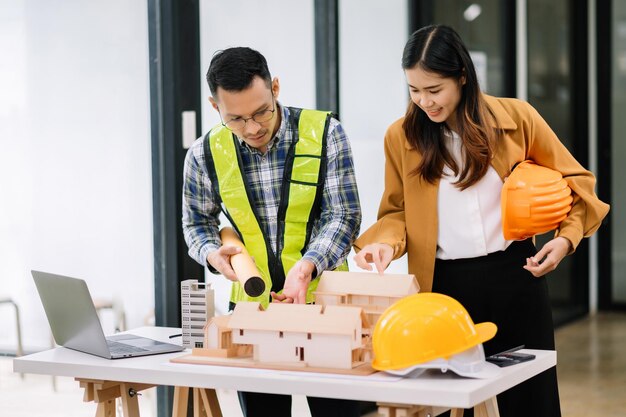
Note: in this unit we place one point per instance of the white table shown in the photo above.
(433, 390)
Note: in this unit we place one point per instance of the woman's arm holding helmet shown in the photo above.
(587, 212)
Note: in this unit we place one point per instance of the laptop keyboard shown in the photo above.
(116, 347)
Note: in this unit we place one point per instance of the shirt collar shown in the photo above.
(502, 116)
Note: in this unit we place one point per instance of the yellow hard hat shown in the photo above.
(534, 200)
(423, 327)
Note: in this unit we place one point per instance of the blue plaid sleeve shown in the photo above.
(200, 210)
(340, 219)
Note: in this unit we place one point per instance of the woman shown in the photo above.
(446, 161)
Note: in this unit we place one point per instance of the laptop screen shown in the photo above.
(71, 313)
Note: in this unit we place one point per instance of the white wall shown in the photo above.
(75, 165)
(373, 92)
(75, 170)
(282, 30)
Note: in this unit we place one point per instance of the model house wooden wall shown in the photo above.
(218, 341)
(370, 291)
(333, 333)
(217, 334)
(309, 335)
(295, 335)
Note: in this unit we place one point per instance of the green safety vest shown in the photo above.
(300, 203)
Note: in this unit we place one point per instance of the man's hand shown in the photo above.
(296, 283)
(549, 257)
(220, 260)
(380, 254)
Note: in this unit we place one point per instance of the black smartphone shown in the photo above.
(509, 358)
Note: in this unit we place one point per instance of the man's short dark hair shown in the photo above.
(234, 69)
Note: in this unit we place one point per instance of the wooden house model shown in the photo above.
(218, 341)
(370, 291)
(332, 333)
(297, 335)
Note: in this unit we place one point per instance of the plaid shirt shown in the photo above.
(334, 231)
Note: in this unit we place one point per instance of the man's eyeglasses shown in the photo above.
(262, 116)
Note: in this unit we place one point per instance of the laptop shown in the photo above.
(75, 323)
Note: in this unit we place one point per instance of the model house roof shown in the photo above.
(220, 321)
(367, 283)
(303, 318)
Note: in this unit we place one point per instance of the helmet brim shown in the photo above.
(486, 331)
(470, 364)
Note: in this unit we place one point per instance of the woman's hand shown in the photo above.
(380, 254)
(549, 257)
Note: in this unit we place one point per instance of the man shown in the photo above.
(284, 177)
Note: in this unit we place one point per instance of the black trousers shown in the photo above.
(496, 288)
(254, 404)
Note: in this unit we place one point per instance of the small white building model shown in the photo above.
(197, 307)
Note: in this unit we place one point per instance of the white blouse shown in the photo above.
(470, 221)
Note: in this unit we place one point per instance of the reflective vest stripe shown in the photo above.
(303, 188)
(232, 191)
(299, 203)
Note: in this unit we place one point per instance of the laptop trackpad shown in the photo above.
(133, 340)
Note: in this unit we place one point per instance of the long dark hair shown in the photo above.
(438, 49)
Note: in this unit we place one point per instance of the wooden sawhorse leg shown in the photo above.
(488, 408)
(205, 402)
(104, 394)
(407, 410)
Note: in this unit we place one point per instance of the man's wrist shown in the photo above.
(208, 250)
(309, 267)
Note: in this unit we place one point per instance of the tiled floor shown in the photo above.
(592, 379)
(592, 366)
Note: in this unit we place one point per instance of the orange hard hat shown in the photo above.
(534, 200)
(424, 327)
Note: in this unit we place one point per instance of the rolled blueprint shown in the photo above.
(243, 264)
